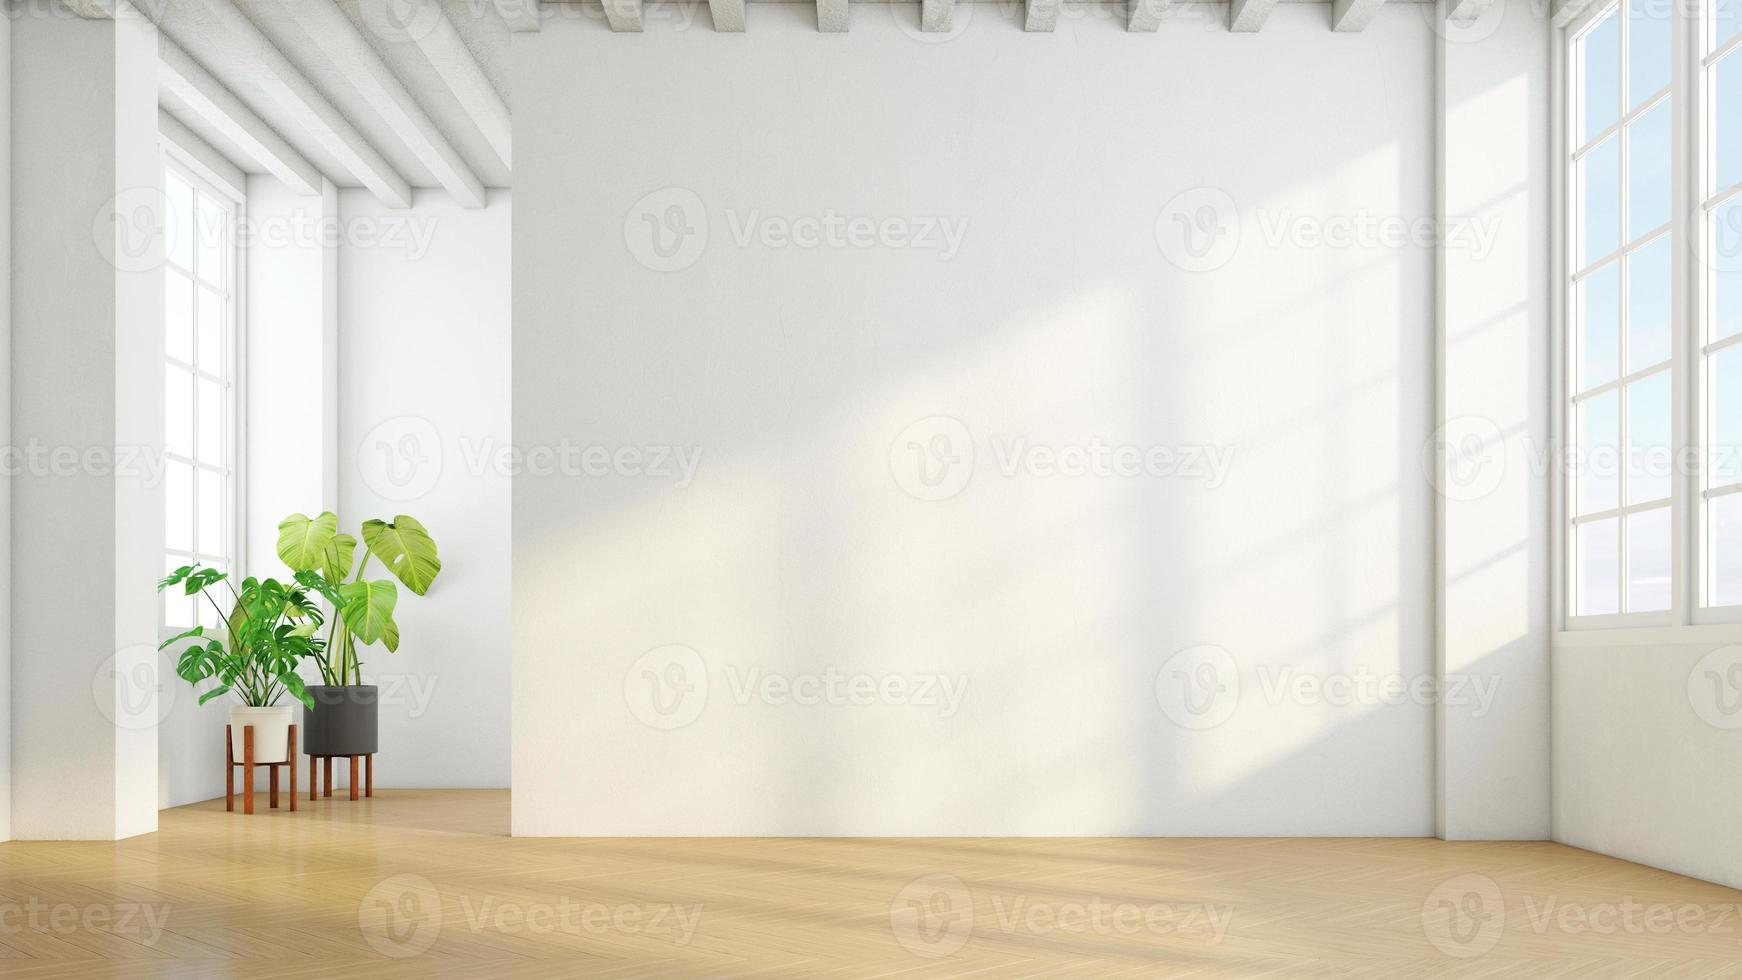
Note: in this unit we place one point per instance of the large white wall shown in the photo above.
(423, 402)
(6, 427)
(1077, 610)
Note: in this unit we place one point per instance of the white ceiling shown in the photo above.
(390, 28)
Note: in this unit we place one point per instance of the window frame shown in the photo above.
(1692, 74)
(211, 185)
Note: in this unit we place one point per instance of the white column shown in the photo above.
(5, 429)
(87, 522)
(1493, 358)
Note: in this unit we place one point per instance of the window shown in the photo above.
(1651, 250)
(200, 372)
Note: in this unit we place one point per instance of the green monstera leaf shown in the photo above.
(303, 541)
(368, 611)
(336, 562)
(406, 548)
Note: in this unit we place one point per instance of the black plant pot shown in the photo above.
(344, 721)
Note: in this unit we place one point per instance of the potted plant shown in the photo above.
(341, 717)
(270, 628)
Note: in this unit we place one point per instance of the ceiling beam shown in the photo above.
(332, 32)
(447, 53)
(1567, 11)
(934, 15)
(175, 131)
(313, 113)
(1465, 11)
(1040, 15)
(832, 16)
(728, 15)
(1246, 16)
(624, 15)
(211, 100)
(1146, 15)
(1353, 15)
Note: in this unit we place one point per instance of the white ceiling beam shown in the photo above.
(331, 31)
(1246, 16)
(227, 171)
(313, 113)
(211, 100)
(1146, 15)
(447, 53)
(728, 15)
(832, 16)
(934, 15)
(1040, 15)
(521, 15)
(1353, 15)
(1465, 11)
(624, 16)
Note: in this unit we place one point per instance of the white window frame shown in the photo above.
(210, 184)
(1689, 618)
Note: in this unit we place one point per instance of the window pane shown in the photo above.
(178, 608)
(212, 333)
(211, 422)
(1648, 561)
(1599, 452)
(1599, 568)
(178, 317)
(1725, 516)
(1648, 49)
(181, 210)
(213, 234)
(1648, 171)
(1599, 327)
(1648, 446)
(1727, 122)
(207, 612)
(1601, 63)
(178, 506)
(1725, 260)
(1728, 21)
(178, 411)
(1648, 305)
(212, 539)
(1600, 181)
(1726, 397)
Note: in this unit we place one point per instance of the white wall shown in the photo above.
(424, 375)
(1645, 748)
(1493, 373)
(1076, 609)
(6, 427)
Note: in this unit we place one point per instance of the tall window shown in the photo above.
(1652, 252)
(200, 392)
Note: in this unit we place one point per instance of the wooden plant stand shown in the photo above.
(326, 774)
(247, 766)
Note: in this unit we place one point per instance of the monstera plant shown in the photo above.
(343, 717)
(270, 628)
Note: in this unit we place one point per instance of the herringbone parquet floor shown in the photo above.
(426, 884)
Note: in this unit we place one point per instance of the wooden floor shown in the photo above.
(426, 884)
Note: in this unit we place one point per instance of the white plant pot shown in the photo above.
(271, 732)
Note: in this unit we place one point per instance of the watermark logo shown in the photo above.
(667, 687)
(933, 458)
(134, 687)
(1721, 247)
(401, 916)
(933, 916)
(667, 230)
(1198, 687)
(401, 459)
(1479, 22)
(1715, 688)
(134, 920)
(1465, 916)
(1465, 459)
(400, 21)
(134, 230)
(1198, 230)
(910, 18)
